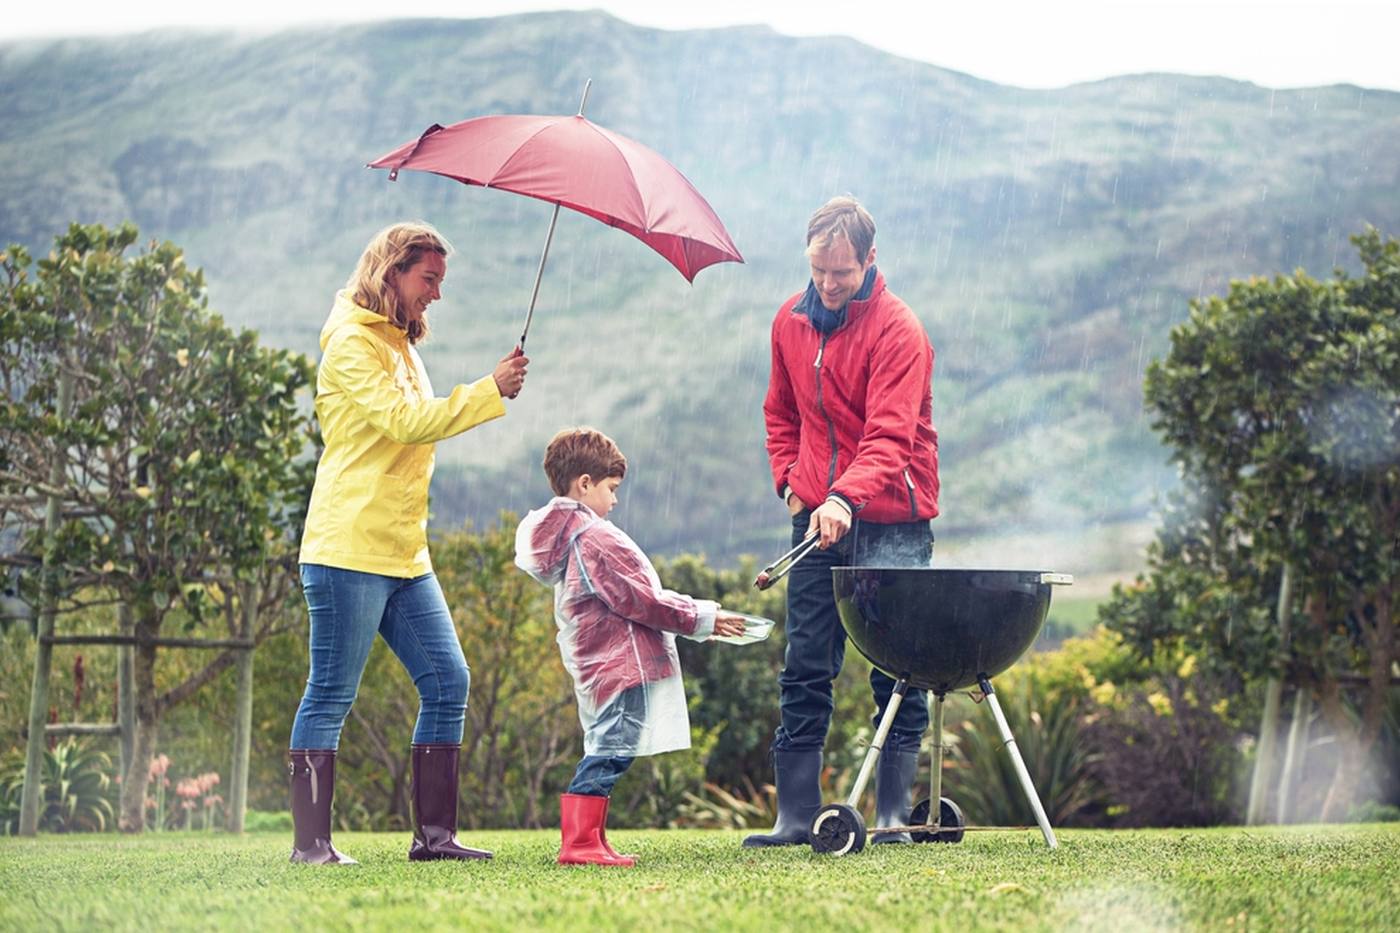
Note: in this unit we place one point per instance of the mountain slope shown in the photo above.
(1048, 239)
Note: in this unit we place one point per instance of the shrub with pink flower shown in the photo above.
(191, 794)
(188, 792)
(201, 788)
(160, 764)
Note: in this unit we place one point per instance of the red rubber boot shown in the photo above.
(582, 823)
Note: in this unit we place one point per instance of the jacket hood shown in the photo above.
(545, 536)
(345, 313)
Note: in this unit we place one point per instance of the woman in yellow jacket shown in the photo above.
(364, 553)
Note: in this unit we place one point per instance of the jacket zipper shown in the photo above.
(909, 483)
(830, 425)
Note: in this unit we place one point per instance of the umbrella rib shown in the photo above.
(621, 152)
(521, 145)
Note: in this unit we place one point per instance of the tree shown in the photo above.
(174, 449)
(1281, 403)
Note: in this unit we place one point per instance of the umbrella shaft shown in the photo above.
(544, 257)
(549, 238)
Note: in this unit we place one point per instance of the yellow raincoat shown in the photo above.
(379, 420)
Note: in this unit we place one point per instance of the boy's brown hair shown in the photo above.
(575, 452)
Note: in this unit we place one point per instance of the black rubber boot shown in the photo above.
(894, 779)
(435, 806)
(312, 772)
(798, 777)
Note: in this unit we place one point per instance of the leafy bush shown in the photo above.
(10, 791)
(750, 807)
(716, 808)
(1167, 757)
(1107, 739)
(180, 465)
(1280, 402)
(267, 821)
(654, 792)
(78, 794)
(734, 689)
(1048, 725)
(1048, 699)
(1374, 812)
(1062, 705)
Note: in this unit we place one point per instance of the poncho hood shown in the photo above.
(545, 535)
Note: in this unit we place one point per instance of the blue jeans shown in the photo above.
(816, 642)
(347, 609)
(597, 774)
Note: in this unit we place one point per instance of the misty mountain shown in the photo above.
(1048, 239)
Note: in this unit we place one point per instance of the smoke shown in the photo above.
(1358, 429)
(886, 552)
(1115, 907)
(1322, 751)
(1110, 549)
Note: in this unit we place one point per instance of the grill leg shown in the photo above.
(872, 755)
(1031, 796)
(935, 811)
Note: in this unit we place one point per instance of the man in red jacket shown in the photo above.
(855, 457)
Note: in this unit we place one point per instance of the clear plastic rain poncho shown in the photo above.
(617, 629)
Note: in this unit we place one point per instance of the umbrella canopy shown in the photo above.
(572, 162)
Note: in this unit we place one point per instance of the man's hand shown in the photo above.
(794, 504)
(728, 625)
(832, 520)
(510, 373)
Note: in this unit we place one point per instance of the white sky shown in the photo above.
(1029, 43)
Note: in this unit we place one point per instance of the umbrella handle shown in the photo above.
(518, 351)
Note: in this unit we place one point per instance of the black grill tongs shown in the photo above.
(780, 567)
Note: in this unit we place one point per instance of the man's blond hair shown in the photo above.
(842, 218)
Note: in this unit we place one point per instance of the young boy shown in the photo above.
(617, 633)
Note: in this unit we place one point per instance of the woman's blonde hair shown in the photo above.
(396, 248)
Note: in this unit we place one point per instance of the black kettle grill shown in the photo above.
(939, 630)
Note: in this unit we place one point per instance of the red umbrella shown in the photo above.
(574, 163)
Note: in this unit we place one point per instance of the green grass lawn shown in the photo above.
(1300, 878)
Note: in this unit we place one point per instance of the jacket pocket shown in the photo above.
(913, 496)
(392, 520)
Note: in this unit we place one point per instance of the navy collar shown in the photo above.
(825, 320)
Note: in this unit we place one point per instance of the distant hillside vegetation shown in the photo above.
(1048, 239)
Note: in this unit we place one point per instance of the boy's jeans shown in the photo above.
(596, 774)
(816, 642)
(347, 609)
